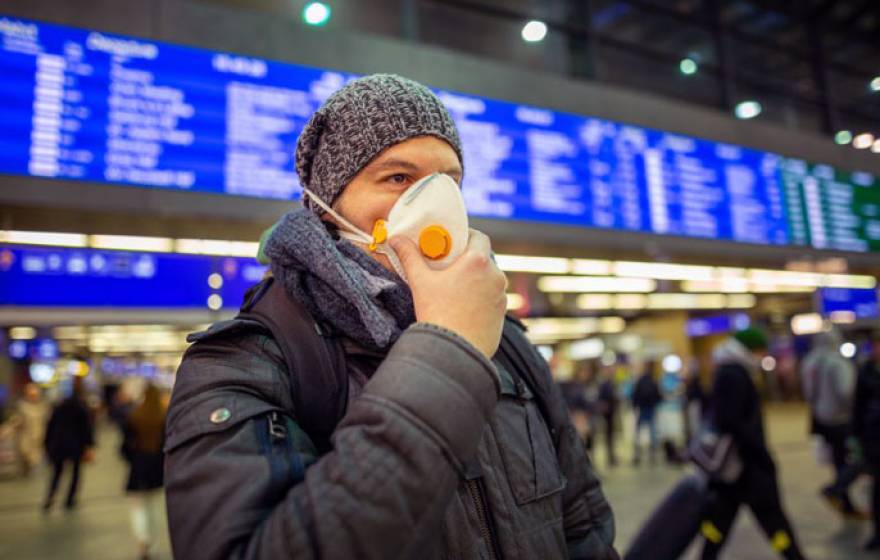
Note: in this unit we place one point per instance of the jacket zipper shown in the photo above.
(476, 492)
(277, 429)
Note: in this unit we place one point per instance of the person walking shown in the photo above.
(69, 440)
(829, 381)
(866, 428)
(645, 399)
(607, 404)
(144, 437)
(32, 412)
(735, 411)
(372, 400)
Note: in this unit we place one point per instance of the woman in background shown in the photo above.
(144, 437)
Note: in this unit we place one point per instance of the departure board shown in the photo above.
(88, 105)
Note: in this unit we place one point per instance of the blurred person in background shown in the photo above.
(829, 381)
(580, 409)
(866, 427)
(32, 412)
(646, 397)
(695, 401)
(144, 437)
(607, 406)
(69, 439)
(735, 410)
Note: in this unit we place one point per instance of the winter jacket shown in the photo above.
(828, 380)
(646, 394)
(70, 431)
(441, 454)
(736, 405)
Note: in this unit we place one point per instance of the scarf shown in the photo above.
(338, 282)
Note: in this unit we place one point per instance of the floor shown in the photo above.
(99, 528)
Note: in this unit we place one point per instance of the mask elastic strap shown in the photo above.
(353, 229)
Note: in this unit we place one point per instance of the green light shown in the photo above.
(687, 66)
(843, 137)
(316, 13)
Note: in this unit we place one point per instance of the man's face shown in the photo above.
(375, 189)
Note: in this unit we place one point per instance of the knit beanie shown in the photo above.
(753, 339)
(361, 120)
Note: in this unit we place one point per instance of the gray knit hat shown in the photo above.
(361, 120)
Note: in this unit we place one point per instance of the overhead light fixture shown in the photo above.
(591, 267)
(723, 285)
(874, 84)
(848, 350)
(807, 323)
(741, 301)
(612, 325)
(747, 109)
(586, 349)
(22, 333)
(316, 14)
(594, 302)
(598, 284)
(875, 147)
(534, 31)
(686, 301)
(849, 281)
(663, 271)
(863, 141)
(843, 137)
(49, 238)
(688, 66)
(132, 243)
(536, 265)
(217, 247)
(515, 301)
(630, 302)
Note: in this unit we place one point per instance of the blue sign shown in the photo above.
(716, 324)
(94, 106)
(862, 303)
(62, 277)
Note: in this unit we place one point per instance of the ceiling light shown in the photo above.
(875, 147)
(687, 66)
(216, 247)
(724, 285)
(612, 325)
(847, 350)
(594, 302)
(43, 238)
(537, 265)
(131, 243)
(630, 302)
(686, 301)
(591, 266)
(534, 31)
(874, 85)
(741, 301)
(663, 271)
(22, 333)
(587, 349)
(843, 137)
(807, 323)
(515, 301)
(863, 141)
(747, 109)
(316, 14)
(608, 284)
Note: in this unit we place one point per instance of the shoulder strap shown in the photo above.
(315, 361)
(522, 363)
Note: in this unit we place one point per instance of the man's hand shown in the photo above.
(468, 298)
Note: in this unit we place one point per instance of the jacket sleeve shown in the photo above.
(380, 492)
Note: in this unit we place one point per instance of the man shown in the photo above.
(69, 439)
(828, 381)
(736, 411)
(645, 399)
(866, 426)
(442, 451)
(608, 401)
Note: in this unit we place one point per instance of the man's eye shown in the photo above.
(398, 179)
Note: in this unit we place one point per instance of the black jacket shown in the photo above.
(866, 416)
(646, 394)
(70, 431)
(736, 410)
(440, 455)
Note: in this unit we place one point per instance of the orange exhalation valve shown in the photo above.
(435, 242)
(380, 234)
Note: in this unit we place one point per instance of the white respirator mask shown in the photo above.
(431, 213)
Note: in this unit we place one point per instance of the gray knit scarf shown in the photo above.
(339, 283)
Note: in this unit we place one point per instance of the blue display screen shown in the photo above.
(716, 324)
(861, 302)
(94, 106)
(61, 277)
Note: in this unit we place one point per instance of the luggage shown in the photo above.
(674, 524)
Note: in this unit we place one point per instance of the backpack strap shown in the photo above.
(516, 355)
(315, 361)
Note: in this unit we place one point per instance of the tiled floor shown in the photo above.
(99, 529)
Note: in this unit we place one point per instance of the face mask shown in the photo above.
(431, 213)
